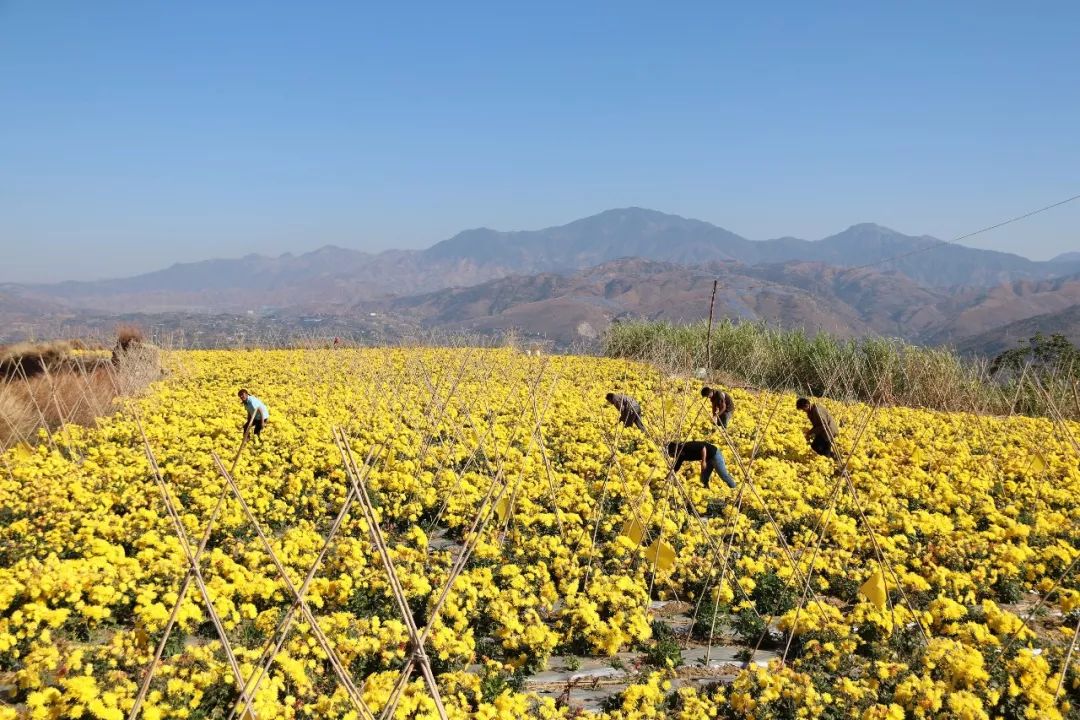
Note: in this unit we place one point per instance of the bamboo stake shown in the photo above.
(810, 570)
(399, 593)
(33, 400)
(180, 596)
(538, 434)
(284, 627)
(320, 637)
(485, 513)
(1068, 659)
(194, 566)
(708, 334)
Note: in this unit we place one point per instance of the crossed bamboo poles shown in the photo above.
(248, 686)
(843, 480)
(194, 574)
(357, 475)
(486, 511)
(723, 556)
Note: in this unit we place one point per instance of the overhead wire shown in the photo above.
(940, 243)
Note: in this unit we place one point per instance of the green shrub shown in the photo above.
(771, 594)
(870, 369)
(748, 626)
(663, 649)
(709, 621)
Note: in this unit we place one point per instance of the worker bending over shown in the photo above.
(629, 410)
(722, 405)
(707, 454)
(258, 415)
(823, 429)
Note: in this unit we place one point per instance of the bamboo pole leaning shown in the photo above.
(271, 647)
(144, 686)
(324, 643)
(195, 570)
(395, 586)
(486, 511)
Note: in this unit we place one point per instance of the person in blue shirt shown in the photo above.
(257, 412)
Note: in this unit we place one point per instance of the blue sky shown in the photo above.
(138, 134)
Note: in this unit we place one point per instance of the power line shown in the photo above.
(939, 243)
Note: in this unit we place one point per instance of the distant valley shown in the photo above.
(566, 284)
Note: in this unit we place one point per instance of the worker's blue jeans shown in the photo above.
(718, 465)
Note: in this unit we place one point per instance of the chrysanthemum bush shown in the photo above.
(972, 516)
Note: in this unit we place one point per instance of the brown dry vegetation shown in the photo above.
(127, 336)
(46, 386)
(29, 359)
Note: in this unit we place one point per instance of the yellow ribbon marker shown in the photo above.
(661, 554)
(1038, 465)
(502, 509)
(874, 590)
(22, 451)
(633, 530)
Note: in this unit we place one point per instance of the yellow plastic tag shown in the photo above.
(502, 509)
(633, 530)
(874, 590)
(661, 555)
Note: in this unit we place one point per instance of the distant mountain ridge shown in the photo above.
(629, 262)
(637, 232)
(988, 344)
(335, 274)
(556, 305)
(613, 234)
(847, 302)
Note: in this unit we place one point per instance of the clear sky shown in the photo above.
(138, 134)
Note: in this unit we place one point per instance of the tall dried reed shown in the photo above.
(869, 369)
(45, 388)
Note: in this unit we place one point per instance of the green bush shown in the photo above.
(709, 621)
(871, 369)
(771, 595)
(748, 626)
(663, 650)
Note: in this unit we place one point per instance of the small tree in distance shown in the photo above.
(1054, 355)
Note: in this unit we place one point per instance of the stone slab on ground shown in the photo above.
(593, 680)
(588, 684)
(562, 670)
(724, 656)
(590, 699)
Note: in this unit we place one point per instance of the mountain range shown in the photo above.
(569, 282)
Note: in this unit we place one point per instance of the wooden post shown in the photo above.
(708, 334)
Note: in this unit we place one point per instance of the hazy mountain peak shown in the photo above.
(634, 212)
(482, 254)
(611, 234)
(328, 249)
(869, 228)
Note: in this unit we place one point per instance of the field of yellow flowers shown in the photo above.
(933, 579)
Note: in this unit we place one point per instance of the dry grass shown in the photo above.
(29, 359)
(128, 336)
(45, 387)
